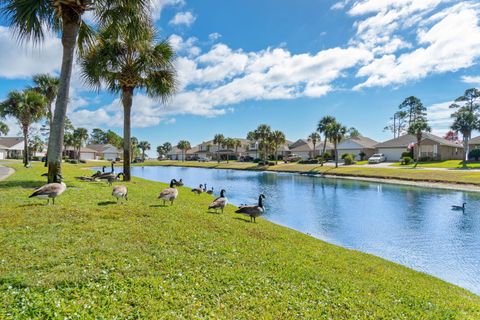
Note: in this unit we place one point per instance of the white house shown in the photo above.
(105, 151)
(357, 145)
(13, 146)
(3, 152)
(304, 148)
(85, 153)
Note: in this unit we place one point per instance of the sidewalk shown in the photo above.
(5, 172)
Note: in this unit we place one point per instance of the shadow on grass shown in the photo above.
(106, 203)
(32, 205)
(30, 184)
(242, 219)
(159, 206)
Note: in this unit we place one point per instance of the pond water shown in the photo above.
(408, 225)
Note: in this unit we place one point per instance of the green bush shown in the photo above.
(35, 158)
(348, 159)
(73, 161)
(407, 160)
(327, 155)
(83, 161)
(294, 159)
(406, 154)
(474, 154)
(362, 155)
(309, 161)
(346, 155)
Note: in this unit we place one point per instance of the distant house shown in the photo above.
(432, 146)
(474, 143)
(13, 146)
(3, 152)
(304, 148)
(357, 145)
(85, 153)
(106, 151)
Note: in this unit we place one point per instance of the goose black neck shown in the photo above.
(222, 193)
(172, 183)
(113, 169)
(260, 202)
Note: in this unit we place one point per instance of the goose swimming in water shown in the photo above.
(253, 211)
(169, 194)
(50, 191)
(220, 202)
(462, 207)
(120, 192)
(198, 190)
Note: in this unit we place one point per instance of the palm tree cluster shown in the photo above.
(164, 149)
(268, 141)
(119, 50)
(184, 145)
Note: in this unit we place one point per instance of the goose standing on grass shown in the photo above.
(210, 192)
(98, 173)
(219, 203)
(114, 178)
(169, 194)
(120, 192)
(198, 190)
(253, 211)
(462, 207)
(179, 183)
(50, 191)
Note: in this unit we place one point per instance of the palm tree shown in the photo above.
(125, 57)
(418, 125)
(80, 137)
(253, 137)
(314, 137)
(278, 139)
(144, 146)
(322, 127)
(218, 140)
(336, 132)
(48, 86)
(229, 143)
(164, 149)
(3, 128)
(133, 147)
(263, 133)
(35, 145)
(27, 106)
(353, 133)
(238, 144)
(465, 122)
(184, 145)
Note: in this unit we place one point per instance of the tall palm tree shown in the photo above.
(253, 138)
(314, 137)
(465, 122)
(126, 61)
(278, 139)
(219, 139)
(322, 127)
(336, 132)
(263, 133)
(48, 86)
(80, 137)
(144, 146)
(417, 127)
(3, 128)
(27, 106)
(30, 18)
(184, 145)
(238, 144)
(353, 132)
(229, 143)
(134, 148)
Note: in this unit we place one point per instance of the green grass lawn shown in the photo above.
(87, 257)
(448, 164)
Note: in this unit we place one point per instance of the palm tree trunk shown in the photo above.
(276, 155)
(70, 26)
(324, 148)
(314, 144)
(127, 100)
(465, 152)
(418, 153)
(25, 146)
(336, 154)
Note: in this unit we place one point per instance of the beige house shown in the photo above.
(106, 151)
(356, 146)
(85, 153)
(304, 148)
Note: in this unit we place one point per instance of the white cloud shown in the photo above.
(159, 5)
(214, 36)
(185, 18)
(471, 79)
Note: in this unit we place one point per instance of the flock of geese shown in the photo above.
(170, 194)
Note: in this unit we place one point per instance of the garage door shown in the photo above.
(87, 156)
(2, 155)
(392, 154)
(110, 156)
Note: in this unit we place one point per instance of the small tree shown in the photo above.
(27, 106)
(253, 138)
(465, 122)
(278, 139)
(238, 144)
(353, 133)
(144, 146)
(3, 128)
(228, 143)
(184, 145)
(219, 139)
(398, 123)
(314, 137)
(417, 127)
(323, 127)
(414, 108)
(263, 133)
(164, 149)
(336, 132)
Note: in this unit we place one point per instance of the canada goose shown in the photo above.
(169, 194)
(113, 178)
(253, 211)
(220, 202)
(204, 187)
(179, 183)
(210, 191)
(90, 179)
(198, 190)
(51, 190)
(98, 173)
(462, 207)
(120, 192)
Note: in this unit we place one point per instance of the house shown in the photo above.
(106, 151)
(432, 147)
(3, 152)
(474, 143)
(13, 146)
(357, 145)
(304, 148)
(85, 153)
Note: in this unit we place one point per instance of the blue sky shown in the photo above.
(285, 63)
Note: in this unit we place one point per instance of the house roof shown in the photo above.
(303, 145)
(405, 140)
(102, 147)
(2, 147)
(475, 140)
(9, 142)
(82, 149)
(364, 142)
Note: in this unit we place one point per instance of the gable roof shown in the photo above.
(9, 142)
(405, 140)
(303, 145)
(102, 147)
(475, 140)
(82, 149)
(363, 142)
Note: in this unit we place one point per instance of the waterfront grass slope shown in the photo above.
(87, 257)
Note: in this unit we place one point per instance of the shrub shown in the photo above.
(268, 163)
(327, 155)
(349, 159)
(309, 161)
(294, 159)
(257, 160)
(73, 161)
(83, 161)
(474, 154)
(346, 155)
(35, 158)
(362, 155)
(407, 160)
(406, 154)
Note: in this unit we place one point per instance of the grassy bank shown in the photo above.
(402, 173)
(88, 257)
(447, 164)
